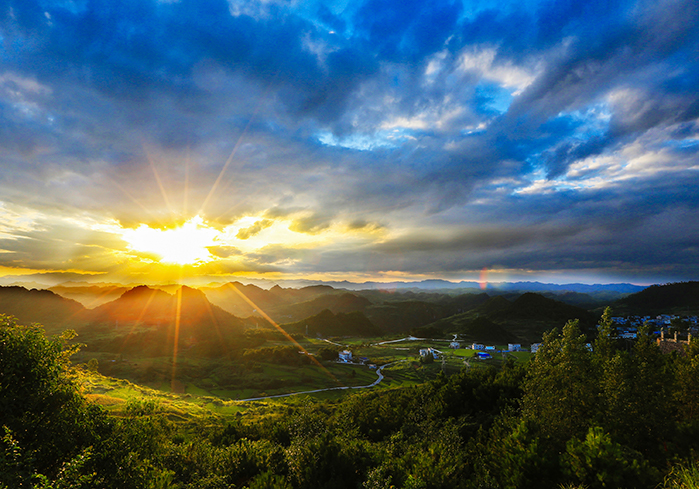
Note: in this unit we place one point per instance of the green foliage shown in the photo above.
(328, 353)
(639, 412)
(515, 454)
(286, 355)
(599, 462)
(47, 423)
(571, 417)
(93, 365)
(560, 393)
(683, 476)
(605, 343)
(268, 480)
(687, 392)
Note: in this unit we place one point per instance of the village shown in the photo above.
(671, 332)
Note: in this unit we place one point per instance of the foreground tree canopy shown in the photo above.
(600, 416)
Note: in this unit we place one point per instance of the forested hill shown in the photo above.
(40, 306)
(326, 323)
(680, 298)
(151, 321)
(524, 319)
(277, 302)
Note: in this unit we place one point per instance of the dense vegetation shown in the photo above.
(602, 417)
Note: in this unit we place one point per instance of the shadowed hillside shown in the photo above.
(524, 319)
(398, 315)
(328, 324)
(51, 310)
(680, 298)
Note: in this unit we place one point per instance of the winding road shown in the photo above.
(375, 383)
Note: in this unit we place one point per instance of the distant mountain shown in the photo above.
(445, 285)
(90, 296)
(590, 301)
(336, 303)
(247, 300)
(328, 324)
(623, 288)
(680, 298)
(54, 312)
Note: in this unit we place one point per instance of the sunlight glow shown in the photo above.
(184, 245)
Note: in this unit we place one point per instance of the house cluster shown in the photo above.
(424, 352)
(345, 356)
(510, 347)
(627, 327)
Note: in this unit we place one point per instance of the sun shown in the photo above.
(187, 244)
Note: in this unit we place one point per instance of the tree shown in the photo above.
(605, 343)
(48, 426)
(636, 392)
(560, 390)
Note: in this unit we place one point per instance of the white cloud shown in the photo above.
(481, 61)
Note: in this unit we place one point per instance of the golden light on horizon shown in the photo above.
(184, 245)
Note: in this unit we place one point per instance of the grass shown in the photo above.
(205, 386)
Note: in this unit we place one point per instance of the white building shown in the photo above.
(514, 347)
(478, 346)
(454, 344)
(345, 356)
(429, 351)
(535, 347)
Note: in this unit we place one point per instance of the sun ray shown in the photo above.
(97, 300)
(216, 325)
(281, 330)
(159, 182)
(216, 183)
(175, 346)
(185, 196)
(133, 199)
(138, 320)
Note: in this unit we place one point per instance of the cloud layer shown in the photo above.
(555, 140)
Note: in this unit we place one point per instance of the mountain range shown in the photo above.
(201, 318)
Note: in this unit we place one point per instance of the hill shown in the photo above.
(398, 314)
(155, 322)
(681, 298)
(336, 303)
(531, 315)
(90, 296)
(54, 312)
(247, 300)
(524, 319)
(484, 330)
(326, 323)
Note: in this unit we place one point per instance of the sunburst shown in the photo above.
(186, 244)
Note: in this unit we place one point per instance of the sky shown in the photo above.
(216, 140)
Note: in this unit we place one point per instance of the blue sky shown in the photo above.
(375, 140)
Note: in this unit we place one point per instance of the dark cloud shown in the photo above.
(543, 135)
